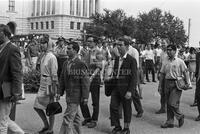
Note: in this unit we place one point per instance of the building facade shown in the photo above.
(54, 17)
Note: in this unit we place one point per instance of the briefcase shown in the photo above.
(53, 108)
(109, 86)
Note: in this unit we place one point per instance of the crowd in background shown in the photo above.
(54, 59)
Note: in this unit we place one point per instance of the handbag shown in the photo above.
(109, 86)
(53, 108)
(181, 84)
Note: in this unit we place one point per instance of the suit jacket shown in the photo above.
(197, 64)
(11, 69)
(127, 80)
(76, 82)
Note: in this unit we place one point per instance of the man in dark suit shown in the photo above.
(197, 91)
(125, 74)
(75, 82)
(10, 80)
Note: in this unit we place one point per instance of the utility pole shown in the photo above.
(189, 24)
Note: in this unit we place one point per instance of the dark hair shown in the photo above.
(6, 30)
(45, 39)
(75, 46)
(192, 49)
(173, 47)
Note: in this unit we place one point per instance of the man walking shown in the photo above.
(93, 65)
(75, 82)
(125, 73)
(173, 68)
(10, 80)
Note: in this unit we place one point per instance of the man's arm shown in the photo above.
(16, 71)
(133, 76)
(84, 82)
(197, 64)
(62, 80)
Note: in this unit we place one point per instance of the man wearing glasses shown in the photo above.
(125, 75)
(170, 70)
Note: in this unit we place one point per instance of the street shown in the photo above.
(148, 124)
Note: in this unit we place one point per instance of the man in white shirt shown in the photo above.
(149, 59)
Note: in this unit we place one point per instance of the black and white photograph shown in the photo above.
(99, 67)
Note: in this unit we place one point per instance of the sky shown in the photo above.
(183, 9)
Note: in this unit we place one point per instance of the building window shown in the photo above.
(52, 24)
(85, 8)
(36, 25)
(47, 25)
(78, 25)
(11, 5)
(42, 25)
(32, 26)
(71, 25)
(71, 7)
(78, 7)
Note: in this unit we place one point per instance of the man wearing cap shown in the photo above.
(173, 68)
(61, 53)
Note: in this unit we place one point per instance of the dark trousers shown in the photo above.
(150, 67)
(173, 96)
(136, 102)
(162, 97)
(197, 94)
(116, 100)
(13, 111)
(95, 94)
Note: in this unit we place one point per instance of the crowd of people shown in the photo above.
(78, 69)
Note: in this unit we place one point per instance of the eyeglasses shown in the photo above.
(69, 48)
(169, 49)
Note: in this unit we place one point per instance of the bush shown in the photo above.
(32, 81)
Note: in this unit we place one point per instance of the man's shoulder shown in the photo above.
(12, 46)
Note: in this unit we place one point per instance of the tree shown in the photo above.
(111, 24)
(154, 25)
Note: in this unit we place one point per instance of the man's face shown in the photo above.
(2, 37)
(121, 49)
(171, 53)
(44, 47)
(149, 47)
(91, 45)
(70, 51)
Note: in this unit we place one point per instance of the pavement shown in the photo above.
(149, 124)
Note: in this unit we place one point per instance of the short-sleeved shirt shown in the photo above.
(173, 68)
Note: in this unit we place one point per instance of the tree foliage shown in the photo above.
(147, 27)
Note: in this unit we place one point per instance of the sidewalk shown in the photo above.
(148, 124)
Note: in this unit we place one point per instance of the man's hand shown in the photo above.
(57, 97)
(128, 95)
(85, 101)
(15, 98)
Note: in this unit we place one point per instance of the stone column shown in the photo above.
(97, 6)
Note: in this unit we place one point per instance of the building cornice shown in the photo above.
(58, 15)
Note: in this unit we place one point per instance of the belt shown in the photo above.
(171, 79)
(45, 75)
